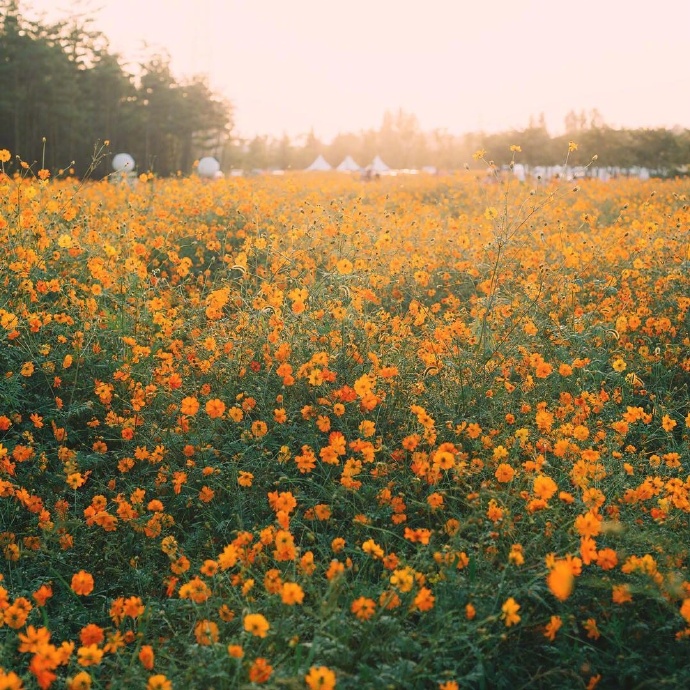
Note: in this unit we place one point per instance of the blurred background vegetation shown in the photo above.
(62, 82)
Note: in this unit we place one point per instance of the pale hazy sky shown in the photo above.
(338, 65)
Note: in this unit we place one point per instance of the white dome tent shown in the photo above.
(348, 164)
(123, 170)
(208, 168)
(319, 165)
(123, 162)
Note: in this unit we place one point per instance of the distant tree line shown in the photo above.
(402, 144)
(62, 83)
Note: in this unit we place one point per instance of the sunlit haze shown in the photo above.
(337, 66)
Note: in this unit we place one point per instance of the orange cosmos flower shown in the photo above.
(685, 610)
(424, 600)
(245, 478)
(147, 657)
(206, 494)
(235, 651)
(189, 406)
(552, 627)
(543, 370)
(510, 610)
(82, 681)
(282, 501)
(668, 423)
(91, 634)
(320, 678)
(215, 408)
(588, 550)
(590, 625)
(159, 682)
(607, 559)
(344, 266)
(256, 624)
(504, 473)
(494, 512)
(82, 583)
(544, 487)
(133, 607)
(33, 640)
(621, 594)
(588, 525)
(180, 565)
(90, 655)
(206, 632)
(291, 594)
(259, 429)
(363, 608)
(470, 612)
(260, 671)
(43, 593)
(561, 580)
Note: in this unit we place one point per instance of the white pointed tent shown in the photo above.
(348, 165)
(378, 166)
(319, 164)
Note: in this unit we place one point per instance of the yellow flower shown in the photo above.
(4, 155)
(572, 146)
(619, 365)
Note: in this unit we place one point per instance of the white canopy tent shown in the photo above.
(319, 165)
(378, 166)
(348, 165)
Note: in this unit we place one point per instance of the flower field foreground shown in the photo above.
(310, 432)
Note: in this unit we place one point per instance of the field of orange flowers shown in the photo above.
(312, 432)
